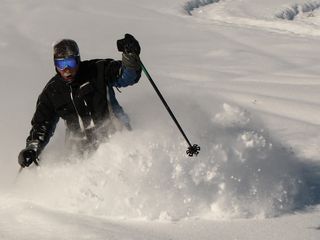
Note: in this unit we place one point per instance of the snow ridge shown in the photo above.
(290, 13)
(192, 4)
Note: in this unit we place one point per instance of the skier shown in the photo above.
(81, 93)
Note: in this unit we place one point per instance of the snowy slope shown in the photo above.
(241, 77)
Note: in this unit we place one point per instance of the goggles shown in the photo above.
(63, 63)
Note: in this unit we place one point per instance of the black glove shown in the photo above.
(129, 45)
(28, 155)
(130, 49)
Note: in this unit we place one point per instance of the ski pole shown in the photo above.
(192, 149)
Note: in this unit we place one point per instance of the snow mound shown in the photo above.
(240, 172)
(265, 16)
(192, 4)
(292, 12)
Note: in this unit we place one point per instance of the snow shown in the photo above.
(241, 77)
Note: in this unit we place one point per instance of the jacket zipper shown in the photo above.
(74, 105)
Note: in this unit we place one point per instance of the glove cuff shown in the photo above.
(33, 145)
(131, 60)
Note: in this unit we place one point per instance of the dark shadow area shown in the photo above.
(310, 196)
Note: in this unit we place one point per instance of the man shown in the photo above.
(81, 93)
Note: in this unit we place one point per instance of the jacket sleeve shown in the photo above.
(121, 76)
(43, 123)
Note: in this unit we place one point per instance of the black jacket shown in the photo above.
(83, 103)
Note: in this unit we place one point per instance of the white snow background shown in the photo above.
(242, 77)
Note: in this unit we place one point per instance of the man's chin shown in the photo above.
(68, 77)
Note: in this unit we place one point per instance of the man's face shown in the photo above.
(67, 67)
(68, 74)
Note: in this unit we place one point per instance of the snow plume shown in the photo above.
(290, 13)
(257, 176)
(240, 172)
(192, 4)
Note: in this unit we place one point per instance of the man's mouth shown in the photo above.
(67, 76)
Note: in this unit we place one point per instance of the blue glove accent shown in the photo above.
(128, 77)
